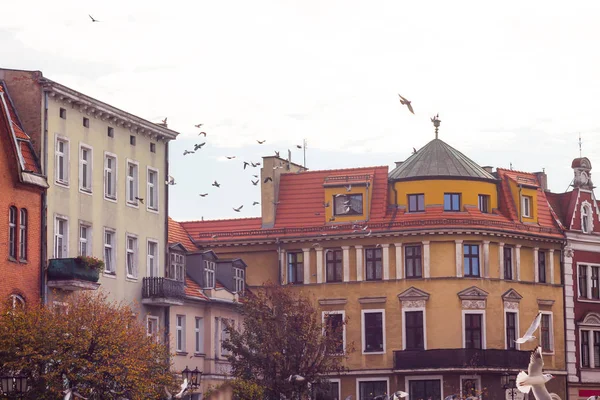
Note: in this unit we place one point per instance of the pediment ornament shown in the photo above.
(591, 319)
(473, 293)
(512, 295)
(412, 293)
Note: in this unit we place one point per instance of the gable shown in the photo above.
(412, 293)
(472, 293)
(511, 295)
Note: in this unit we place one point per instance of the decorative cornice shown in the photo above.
(512, 295)
(472, 293)
(590, 319)
(545, 302)
(332, 302)
(372, 300)
(105, 112)
(413, 293)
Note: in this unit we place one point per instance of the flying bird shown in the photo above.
(260, 141)
(230, 157)
(186, 152)
(256, 176)
(255, 164)
(298, 146)
(399, 395)
(348, 188)
(238, 209)
(278, 166)
(296, 378)
(331, 219)
(534, 379)
(593, 398)
(203, 194)
(93, 19)
(216, 184)
(406, 103)
(245, 164)
(198, 125)
(528, 336)
(184, 387)
(141, 200)
(170, 181)
(199, 146)
(254, 182)
(325, 204)
(255, 203)
(202, 133)
(267, 179)
(69, 394)
(369, 234)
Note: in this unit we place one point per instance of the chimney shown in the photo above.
(488, 169)
(273, 167)
(542, 179)
(398, 163)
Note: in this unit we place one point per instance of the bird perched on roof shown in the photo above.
(406, 103)
(414, 150)
(164, 121)
(170, 181)
(534, 379)
(276, 154)
(528, 336)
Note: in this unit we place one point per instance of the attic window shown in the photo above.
(63, 113)
(111, 131)
(86, 122)
(132, 140)
(526, 206)
(209, 274)
(152, 147)
(586, 218)
(176, 269)
(348, 204)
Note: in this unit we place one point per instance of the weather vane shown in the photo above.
(436, 122)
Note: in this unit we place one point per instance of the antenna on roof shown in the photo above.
(304, 142)
(579, 144)
(436, 122)
(511, 166)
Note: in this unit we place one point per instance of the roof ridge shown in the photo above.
(333, 170)
(514, 170)
(219, 219)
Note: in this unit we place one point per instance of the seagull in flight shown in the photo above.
(406, 103)
(170, 181)
(203, 194)
(534, 379)
(255, 183)
(184, 387)
(267, 179)
(216, 184)
(296, 378)
(230, 157)
(199, 146)
(202, 133)
(528, 336)
(399, 395)
(260, 141)
(93, 19)
(198, 125)
(255, 203)
(186, 152)
(238, 209)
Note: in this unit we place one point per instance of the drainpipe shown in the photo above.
(44, 208)
(279, 261)
(168, 309)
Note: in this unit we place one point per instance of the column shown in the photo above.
(536, 271)
(486, 258)
(282, 267)
(319, 264)
(306, 256)
(501, 259)
(518, 261)
(551, 264)
(590, 347)
(385, 250)
(426, 258)
(359, 263)
(346, 262)
(459, 255)
(398, 247)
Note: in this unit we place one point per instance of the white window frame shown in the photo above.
(113, 251)
(239, 279)
(89, 170)
(409, 309)
(224, 336)
(362, 330)
(65, 236)
(23, 231)
(155, 258)
(586, 206)
(87, 240)
(588, 298)
(379, 378)
(483, 327)
(526, 200)
(517, 327)
(409, 378)
(591, 329)
(208, 263)
(130, 197)
(16, 299)
(199, 335)
(343, 313)
(155, 320)
(156, 190)
(135, 252)
(176, 268)
(552, 344)
(114, 174)
(477, 378)
(339, 383)
(66, 160)
(180, 329)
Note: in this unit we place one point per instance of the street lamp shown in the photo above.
(509, 382)
(193, 377)
(13, 384)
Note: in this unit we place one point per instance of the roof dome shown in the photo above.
(438, 159)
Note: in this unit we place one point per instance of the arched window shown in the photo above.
(17, 301)
(12, 232)
(23, 234)
(586, 217)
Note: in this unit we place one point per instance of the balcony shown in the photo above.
(162, 292)
(461, 359)
(71, 274)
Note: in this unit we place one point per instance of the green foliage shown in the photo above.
(99, 348)
(91, 262)
(282, 335)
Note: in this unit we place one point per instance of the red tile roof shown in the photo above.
(192, 289)
(193, 228)
(559, 204)
(178, 235)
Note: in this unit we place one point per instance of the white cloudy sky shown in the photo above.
(514, 82)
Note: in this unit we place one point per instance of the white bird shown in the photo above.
(593, 398)
(296, 378)
(399, 395)
(184, 387)
(528, 336)
(535, 380)
(69, 393)
(451, 397)
(348, 397)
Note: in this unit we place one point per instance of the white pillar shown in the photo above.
(385, 258)
(459, 255)
(536, 271)
(590, 347)
(426, 258)
(306, 265)
(319, 264)
(551, 264)
(359, 263)
(501, 259)
(398, 247)
(486, 258)
(346, 262)
(282, 268)
(518, 261)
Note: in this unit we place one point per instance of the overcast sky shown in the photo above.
(513, 82)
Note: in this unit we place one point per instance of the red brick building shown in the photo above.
(579, 214)
(22, 189)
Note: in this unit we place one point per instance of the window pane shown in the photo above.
(373, 331)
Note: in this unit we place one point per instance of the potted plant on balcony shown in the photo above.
(90, 262)
(82, 267)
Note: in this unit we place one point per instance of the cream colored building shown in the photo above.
(107, 197)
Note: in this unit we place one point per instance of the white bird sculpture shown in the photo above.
(535, 380)
(528, 336)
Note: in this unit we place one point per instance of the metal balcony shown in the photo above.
(162, 292)
(71, 274)
(461, 359)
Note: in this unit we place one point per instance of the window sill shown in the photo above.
(11, 259)
(416, 212)
(413, 277)
(152, 210)
(112, 275)
(21, 261)
(181, 353)
(199, 355)
(548, 352)
(62, 184)
(85, 191)
(133, 205)
(110, 198)
(586, 300)
(365, 352)
(131, 279)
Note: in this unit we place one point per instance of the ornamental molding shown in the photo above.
(413, 304)
(473, 293)
(473, 304)
(412, 293)
(511, 305)
(372, 300)
(512, 295)
(545, 302)
(332, 302)
(591, 319)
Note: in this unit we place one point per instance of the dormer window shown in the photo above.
(348, 204)
(586, 217)
(238, 280)
(177, 267)
(526, 206)
(451, 201)
(209, 274)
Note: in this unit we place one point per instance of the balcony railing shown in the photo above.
(72, 274)
(162, 291)
(461, 358)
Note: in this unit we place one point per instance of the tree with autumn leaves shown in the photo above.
(283, 335)
(98, 348)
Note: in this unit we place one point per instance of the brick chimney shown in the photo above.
(488, 169)
(269, 191)
(542, 179)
